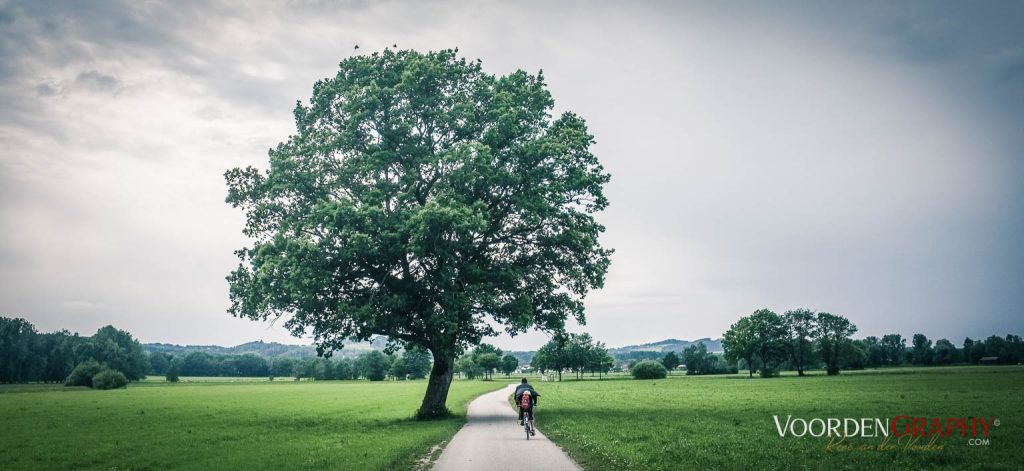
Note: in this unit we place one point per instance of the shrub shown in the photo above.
(649, 370)
(109, 379)
(83, 373)
(172, 374)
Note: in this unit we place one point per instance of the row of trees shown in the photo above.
(484, 360)
(27, 355)
(764, 340)
(892, 349)
(373, 365)
(699, 361)
(801, 339)
(205, 364)
(578, 353)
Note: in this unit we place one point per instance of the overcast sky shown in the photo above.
(861, 158)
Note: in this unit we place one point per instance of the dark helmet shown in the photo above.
(524, 380)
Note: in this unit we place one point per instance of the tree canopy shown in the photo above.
(833, 332)
(509, 363)
(574, 352)
(800, 327)
(426, 200)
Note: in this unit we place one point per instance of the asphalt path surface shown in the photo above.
(493, 440)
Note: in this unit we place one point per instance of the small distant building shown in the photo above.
(988, 360)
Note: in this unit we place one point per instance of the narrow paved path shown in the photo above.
(493, 440)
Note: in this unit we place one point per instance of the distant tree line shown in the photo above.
(576, 353)
(27, 355)
(763, 342)
(699, 361)
(800, 340)
(483, 361)
(892, 349)
(373, 365)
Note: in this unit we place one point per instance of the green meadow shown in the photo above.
(617, 423)
(225, 425)
(725, 422)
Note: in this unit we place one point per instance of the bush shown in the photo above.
(109, 379)
(83, 373)
(649, 370)
(172, 374)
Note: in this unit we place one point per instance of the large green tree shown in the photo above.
(945, 352)
(468, 367)
(600, 360)
(875, 351)
(696, 359)
(373, 365)
(417, 363)
(422, 199)
(671, 361)
(769, 337)
(509, 363)
(17, 358)
(833, 336)
(488, 357)
(580, 352)
(118, 350)
(761, 335)
(921, 350)
(894, 348)
(738, 343)
(800, 327)
(553, 356)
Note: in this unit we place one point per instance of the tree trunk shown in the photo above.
(437, 388)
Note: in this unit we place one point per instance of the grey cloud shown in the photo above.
(45, 89)
(96, 81)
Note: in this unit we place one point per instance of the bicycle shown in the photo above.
(527, 419)
(529, 429)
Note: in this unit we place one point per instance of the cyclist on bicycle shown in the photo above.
(530, 401)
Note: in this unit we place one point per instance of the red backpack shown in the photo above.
(525, 400)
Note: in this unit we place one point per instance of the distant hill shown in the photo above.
(524, 357)
(274, 349)
(640, 352)
(669, 345)
(266, 349)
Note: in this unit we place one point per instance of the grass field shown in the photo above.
(206, 425)
(722, 422)
(726, 422)
(160, 379)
